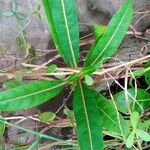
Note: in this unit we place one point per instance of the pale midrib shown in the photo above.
(110, 39)
(86, 114)
(68, 34)
(108, 117)
(32, 94)
(143, 100)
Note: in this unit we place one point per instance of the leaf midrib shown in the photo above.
(107, 116)
(32, 94)
(110, 38)
(68, 34)
(86, 114)
(143, 100)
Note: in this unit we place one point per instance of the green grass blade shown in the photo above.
(29, 95)
(113, 35)
(40, 135)
(87, 118)
(63, 21)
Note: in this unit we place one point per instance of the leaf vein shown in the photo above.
(32, 94)
(68, 34)
(111, 38)
(86, 114)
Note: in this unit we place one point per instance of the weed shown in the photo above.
(94, 114)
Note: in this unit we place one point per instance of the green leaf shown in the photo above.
(51, 68)
(142, 99)
(113, 35)
(130, 140)
(60, 76)
(8, 84)
(70, 115)
(143, 135)
(68, 112)
(29, 95)
(87, 118)
(110, 119)
(143, 125)
(73, 78)
(88, 80)
(11, 84)
(138, 73)
(134, 118)
(63, 21)
(2, 129)
(99, 30)
(47, 116)
(89, 70)
(8, 13)
(147, 73)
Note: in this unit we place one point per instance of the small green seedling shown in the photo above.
(94, 114)
(135, 132)
(47, 117)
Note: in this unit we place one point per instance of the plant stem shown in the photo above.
(38, 134)
(139, 143)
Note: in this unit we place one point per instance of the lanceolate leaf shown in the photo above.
(137, 102)
(63, 21)
(111, 121)
(29, 95)
(87, 118)
(113, 35)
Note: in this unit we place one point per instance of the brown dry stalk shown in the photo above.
(68, 71)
